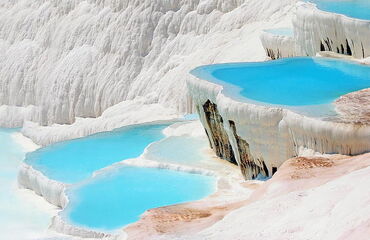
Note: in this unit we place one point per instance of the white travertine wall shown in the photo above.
(274, 134)
(317, 30)
(51, 190)
(76, 58)
(278, 46)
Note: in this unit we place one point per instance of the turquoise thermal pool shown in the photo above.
(280, 31)
(352, 8)
(293, 82)
(192, 151)
(119, 197)
(75, 160)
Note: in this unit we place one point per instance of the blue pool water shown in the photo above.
(120, 197)
(192, 151)
(191, 117)
(290, 82)
(280, 31)
(75, 160)
(352, 8)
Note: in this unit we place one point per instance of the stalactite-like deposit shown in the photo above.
(317, 30)
(278, 46)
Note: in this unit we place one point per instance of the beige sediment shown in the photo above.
(179, 219)
(182, 219)
(296, 174)
(354, 107)
(302, 173)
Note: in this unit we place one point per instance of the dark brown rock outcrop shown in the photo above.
(218, 135)
(249, 166)
(219, 141)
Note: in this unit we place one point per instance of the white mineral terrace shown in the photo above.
(69, 61)
(316, 30)
(72, 68)
(54, 192)
(276, 134)
(278, 45)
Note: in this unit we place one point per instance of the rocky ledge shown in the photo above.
(354, 107)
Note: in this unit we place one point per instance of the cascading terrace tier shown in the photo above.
(345, 31)
(293, 114)
(278, 43)
(317, 30)
(68, 59)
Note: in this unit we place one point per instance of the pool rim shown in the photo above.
(307, 3)
(205, 73)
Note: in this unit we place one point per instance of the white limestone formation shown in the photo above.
(278, 46)
(13, 116)
(60, 225)
(316, 30)
(123, 114)
(73, 59)
(70, 68)
(51, 190)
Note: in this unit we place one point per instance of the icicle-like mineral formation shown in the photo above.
(74, 58)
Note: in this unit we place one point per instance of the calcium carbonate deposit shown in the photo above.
(73, 68)
(71, 58)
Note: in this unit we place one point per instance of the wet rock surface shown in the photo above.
(249, 166)
(220, 142)
(218, 136)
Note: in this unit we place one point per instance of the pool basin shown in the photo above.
(117, 198)
(294, 83)
(75, 160)
(352, 8)
(288, 32)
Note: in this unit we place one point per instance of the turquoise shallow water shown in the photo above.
(192, 151)
(290, 82)
(120, 197)
(75, 160)
(352, 8)
(280, 31)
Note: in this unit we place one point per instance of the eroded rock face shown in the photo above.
(270, 53)
(278, 46)
(218, 136)
(220, 142)
(249, 166)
